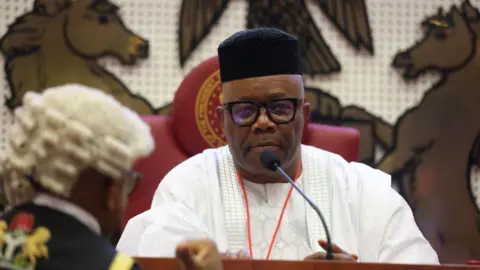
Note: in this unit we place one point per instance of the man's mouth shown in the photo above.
(266, 146)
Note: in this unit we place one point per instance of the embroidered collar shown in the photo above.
(316, 180)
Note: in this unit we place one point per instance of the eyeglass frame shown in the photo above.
(131, 176)
(260, 105)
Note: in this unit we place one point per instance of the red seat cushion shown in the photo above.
(340, 140)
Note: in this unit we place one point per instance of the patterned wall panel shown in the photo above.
(360, 81)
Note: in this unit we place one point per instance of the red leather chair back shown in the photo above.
(194, 127)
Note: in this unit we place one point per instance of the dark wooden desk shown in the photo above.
(170, 264)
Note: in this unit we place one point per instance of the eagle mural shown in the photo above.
(197, 18)
(350, 17)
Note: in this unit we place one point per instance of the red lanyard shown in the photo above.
(239, 178)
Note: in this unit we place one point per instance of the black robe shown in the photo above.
(57, 241)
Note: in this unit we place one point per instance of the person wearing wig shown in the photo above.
(66, 177)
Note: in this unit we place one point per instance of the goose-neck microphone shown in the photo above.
(270, 161)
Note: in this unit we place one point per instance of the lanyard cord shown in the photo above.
(249, 232)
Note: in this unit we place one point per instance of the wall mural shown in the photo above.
(197, 17)
(350, 16)
(436, 142)
(374, 131)
(43, 46)
(431, 149)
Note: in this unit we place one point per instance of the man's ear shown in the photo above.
(221, 115)
(306, 112)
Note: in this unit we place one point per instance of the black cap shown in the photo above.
(259, 52)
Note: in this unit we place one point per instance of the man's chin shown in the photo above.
(253, 156)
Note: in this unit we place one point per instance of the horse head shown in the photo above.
(63, 35)
(448, 44)
(93, 28)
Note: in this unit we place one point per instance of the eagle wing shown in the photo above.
(196, 20)
(351, 18)
(317, 57)
(293, 17)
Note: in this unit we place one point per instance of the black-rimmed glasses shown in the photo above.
(246, 113)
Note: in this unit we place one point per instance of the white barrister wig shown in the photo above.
(65, 129)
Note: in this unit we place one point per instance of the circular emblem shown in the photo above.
(208, 99)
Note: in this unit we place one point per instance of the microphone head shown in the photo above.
(269, 160)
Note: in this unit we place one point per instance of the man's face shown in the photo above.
(120, 191)
(248, 134)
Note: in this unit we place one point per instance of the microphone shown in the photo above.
(270, 161)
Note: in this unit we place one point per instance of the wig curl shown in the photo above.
(66, 129)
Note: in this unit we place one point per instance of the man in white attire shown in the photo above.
(227, 195)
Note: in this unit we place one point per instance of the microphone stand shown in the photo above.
(310, 202)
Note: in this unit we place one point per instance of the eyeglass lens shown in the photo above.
(246, 113)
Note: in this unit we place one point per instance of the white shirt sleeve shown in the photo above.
(402, 240)
(158, 231)
(183, 184)
(175, 215)
(388, 232)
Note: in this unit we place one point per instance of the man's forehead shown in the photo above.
(264, 87)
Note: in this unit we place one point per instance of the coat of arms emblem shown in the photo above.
(21, 245)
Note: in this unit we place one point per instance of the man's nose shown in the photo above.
(263, 122)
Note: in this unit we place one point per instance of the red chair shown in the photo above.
(194, 127)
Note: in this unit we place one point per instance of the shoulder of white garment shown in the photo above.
(353, 176)
(384, 219)
(130, 239)
(187, 178)
(363, 186)
(194, 173)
